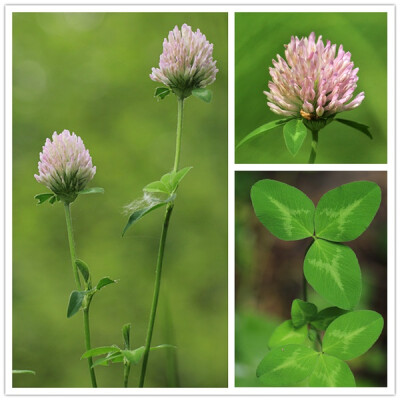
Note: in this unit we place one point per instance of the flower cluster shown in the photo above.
(186, 62)
(65, 165)
(313, 82)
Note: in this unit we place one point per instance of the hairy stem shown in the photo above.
(72, 250)
(161, 248)
(314, 145)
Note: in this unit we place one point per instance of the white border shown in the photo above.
(231, 7)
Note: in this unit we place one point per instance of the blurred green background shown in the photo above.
(269, 273)
(261, 36)
(89, 73)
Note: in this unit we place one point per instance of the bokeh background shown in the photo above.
(269, 273)
(261, 36)
(89, 73)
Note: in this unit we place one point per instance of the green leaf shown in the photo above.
(287, 365)
(172, 179)
(344, 213)
(83, 269)
(23, 371)
(75, 302)
(133, 356)
(126, 333)
(161, 93)
(352, 334)
(356, 125)
(92, 190)
(163, 346)
(203, 94)
(98, 351)
(115, 357)
(43, 197)
(286, 333)
(332, 270)
(54, 199)
(331, 372)
(104, 282)
(138, 214)
(262, 129)
(302, 312)
(294, 133)
(284, 210)
(156, 187)
(324, 318)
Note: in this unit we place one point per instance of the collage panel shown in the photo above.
(119, 110)
(311, 279)
(311, 87)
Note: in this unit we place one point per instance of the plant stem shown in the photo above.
(314, 145)
(88, 345)
(161, 248)
(127, 368)
(71, 242)
(72, 250)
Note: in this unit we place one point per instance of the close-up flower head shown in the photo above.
(313, 82)
(65, 165)
(186, 62)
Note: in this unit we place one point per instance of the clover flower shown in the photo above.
(65, 165)
(186, 62)
(313, 82)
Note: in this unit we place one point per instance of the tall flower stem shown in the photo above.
(161, 248)
(314, 145)
(86, 325)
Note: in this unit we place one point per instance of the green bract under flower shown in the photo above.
(65, 166)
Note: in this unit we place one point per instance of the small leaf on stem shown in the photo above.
(203, 94)
(100, 350)
(356, 125)
(104, 282)
(75, 302)
(161, 93)
(43, 197)
(294, 133)
(92, 190)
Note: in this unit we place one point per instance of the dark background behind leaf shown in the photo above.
(261, 36)
(89, 73)
(269, 273)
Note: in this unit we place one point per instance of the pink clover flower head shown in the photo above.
(65, 165)
(313, 82)
(186, 62)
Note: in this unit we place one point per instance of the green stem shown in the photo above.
(127, 368)
(72, 250)
(71, 242)
(161, 248)
(314, 145)
(88, 345)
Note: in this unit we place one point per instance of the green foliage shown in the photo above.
(92, 190)
(139, 214)
(287, 365)
(302, 312)
(352, 334)
(203, 94)
(168, 183)
(284, 210)
(330, 371)
(344, 213)
(286, 333)
(84, 271)
(104, 282)
(161, 93)
(75, 302)
(23, 371)
(43, 197)
(126, 334)
(99, 351)
(356, 125)
(294, 133)
(332, 270)
(262, 129)
(323, 319)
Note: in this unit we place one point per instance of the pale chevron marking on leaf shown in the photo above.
(344, 338)
(330, 375)
(289, 361)
(287, 214)
(340, 216)
(330, 268)
(290, 334)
